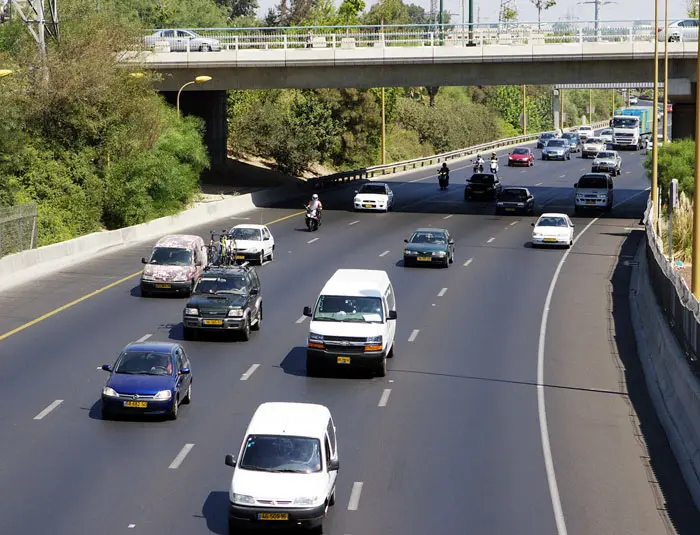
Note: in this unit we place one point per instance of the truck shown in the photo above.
(630, 125)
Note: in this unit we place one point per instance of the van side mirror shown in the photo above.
(333, 465)
(532, 224)
(307, 311)
(451, 242)
(576, 184)
(357, 191)
(143, 260)
(184, 371)
(392, 314)
(610, 186)
(106, 367)
(230, 461)
(405, 241)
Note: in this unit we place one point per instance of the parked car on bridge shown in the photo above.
(680, 30)
(179, 40)
(634, 100)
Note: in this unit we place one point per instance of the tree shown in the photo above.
(542, 5)
(692, 8)
(350, 9)
(510, 14)
(387, 12)
(239, 8)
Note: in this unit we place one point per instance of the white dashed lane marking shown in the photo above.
(384, 253)
(448, 216)
(385, 398)
(355, 495)
(131, 526)
(353, 223)
(177, 461)
(490, 240)
(538, 184)
(414, 334)
(442, 292)
(249, 372)
(513, 223)
(301, 319)
(48, 409)
(311, 241)
(468, 262)
(143, 338)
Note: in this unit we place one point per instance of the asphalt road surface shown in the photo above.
(456, 447)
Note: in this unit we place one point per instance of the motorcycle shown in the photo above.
(312, 221)
(494, 167)
(443, 179)
(479, 166)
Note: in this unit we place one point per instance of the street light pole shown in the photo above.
(197, 80)
(524, 111)
(383, 130)
(471, 23)
(655, 129)
(695, 268)
(665, 112)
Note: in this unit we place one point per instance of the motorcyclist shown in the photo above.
(444, 170)
(479, 161)
(315, 204)
(494, 160)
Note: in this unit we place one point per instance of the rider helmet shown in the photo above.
(315, 196)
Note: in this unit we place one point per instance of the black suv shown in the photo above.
(483, 186)
(224, 298)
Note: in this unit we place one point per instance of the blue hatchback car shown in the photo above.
(147, 378)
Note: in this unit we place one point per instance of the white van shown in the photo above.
(353, 322)
(286, 470)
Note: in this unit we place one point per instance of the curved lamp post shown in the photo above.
(198, 80)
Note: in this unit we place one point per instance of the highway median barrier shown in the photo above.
(27, 265)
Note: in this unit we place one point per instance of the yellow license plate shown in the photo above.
(367, 206)
(213, 322)
(343, 360)
(510, 209)
(550, 239)
(590, 202)
(424, 258)
(136, 404)
(273, 516)
(240, 257)
(163, 285)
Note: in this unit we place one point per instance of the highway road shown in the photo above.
(450, 441)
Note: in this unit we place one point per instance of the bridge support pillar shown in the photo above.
(555, 109)
(683, 120)
(212, 107)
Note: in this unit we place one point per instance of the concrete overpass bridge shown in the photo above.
(404, 56)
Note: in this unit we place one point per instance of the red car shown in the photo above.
(521, 156)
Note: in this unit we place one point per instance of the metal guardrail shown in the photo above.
(390, 168)
(420, 35)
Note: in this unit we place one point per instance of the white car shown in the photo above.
(374, 196)
(253, 242)
(553, 229)
(606, 135)
(585, 131)
(593, 146)
(634, 100)
(680, 30)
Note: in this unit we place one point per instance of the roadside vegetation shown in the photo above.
(99, 149)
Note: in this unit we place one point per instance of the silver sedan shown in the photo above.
(182, 40)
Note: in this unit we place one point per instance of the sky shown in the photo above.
(487, 10)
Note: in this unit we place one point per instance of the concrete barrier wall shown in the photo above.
(674, 388)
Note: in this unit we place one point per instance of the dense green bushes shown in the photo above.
(675, 160)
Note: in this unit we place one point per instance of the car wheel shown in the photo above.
(205, 48)
(271, 256)
(577, 209)
(380, 370)
(106, 415)
(145, 293)
(245, 331)
(190, 290)
(331, 501)
(188, 396)
(452, 258)
(232, 530)
(313, 367)
(390, 355)
(188, 333)
(175, 410)
(258, 322)
(531, 163)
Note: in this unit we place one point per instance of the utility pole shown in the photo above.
(35, 19)
(695, 268)
(597, 4)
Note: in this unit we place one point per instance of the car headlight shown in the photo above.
(499, 204)
(191, 311)
(235, 313)
(537, 234)
(307, 501)
(243, 499)
(409, 253)
(109, 392)
(315, 337)
(163, 395)
(521, 204)
(254, 249)
(179, 278)
(374, 340)
(439, 253)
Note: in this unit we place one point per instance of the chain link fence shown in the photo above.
(18, 228)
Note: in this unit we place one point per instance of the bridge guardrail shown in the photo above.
(390, 168)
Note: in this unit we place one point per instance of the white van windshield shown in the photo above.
(171, 256)
(274, 453)
(350, 309)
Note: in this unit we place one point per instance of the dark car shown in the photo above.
(429, 246)
(574, 141)
(515, 200)
(521, 156)
(482, 186)
(148, 378)
(542, 141)
(225, 298)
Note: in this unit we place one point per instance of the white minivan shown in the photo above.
(353, 322)
(286, 470)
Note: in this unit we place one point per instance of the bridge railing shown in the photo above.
(390, 168)
(418, 35)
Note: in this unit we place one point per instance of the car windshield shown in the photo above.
(570, 135)
(521, 151)
(625, 122)
(481, 179)
(606, 133)
(349, 309)
(548, 135)
(375, 189)
(246, 234)
(171, 256)
(557, 143)
(513, 195)
(220, 285)
(144, 363)
(594, 182)
(594, 141)
(434, 238)
(606, 155)
(274, 453)
(552, 222)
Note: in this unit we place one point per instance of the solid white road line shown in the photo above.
(448, 216)
(353, 223)
(131, 526)
(541, 409)
(301, 319)
(48, 409)
(355, 494)
(538, 184)
(177, 461)
(632, 197)
(249, 372)
(414, 334)
(490, 240)
(513, 223)
(143, 338)
(468, 262)
(384, 253)
(311, 241)
(385, 398)
(442, 292)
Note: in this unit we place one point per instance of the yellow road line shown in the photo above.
(100, 290)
